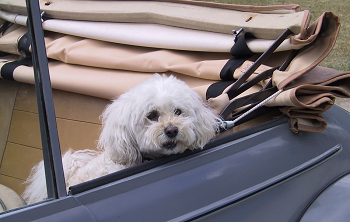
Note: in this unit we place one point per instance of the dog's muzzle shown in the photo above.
(171, 131)
(169, 145)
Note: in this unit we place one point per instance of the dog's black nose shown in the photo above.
(171, 131)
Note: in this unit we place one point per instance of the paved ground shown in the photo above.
(343, 102)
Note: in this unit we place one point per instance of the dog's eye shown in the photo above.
(177, 112)
(154, 115)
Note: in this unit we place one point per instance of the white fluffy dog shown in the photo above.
(160, 116)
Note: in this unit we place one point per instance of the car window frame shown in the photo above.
(55, 181)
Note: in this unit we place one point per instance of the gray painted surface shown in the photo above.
(332, 204)
(270, 175)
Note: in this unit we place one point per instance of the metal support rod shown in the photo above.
(232, 91)
(55, 181)
(231, 124)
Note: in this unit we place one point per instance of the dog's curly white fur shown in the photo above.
(160, 116)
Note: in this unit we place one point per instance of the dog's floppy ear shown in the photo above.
(117, 136)
(206, 122)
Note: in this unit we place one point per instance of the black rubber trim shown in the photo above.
(240, 48)
(7, 70)
(240, 52)
(4, 26)
(3, 54)
(231, 65)
(24, 44)
(2, 204)
(217, 89)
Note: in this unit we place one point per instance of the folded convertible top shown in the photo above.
(103, 48)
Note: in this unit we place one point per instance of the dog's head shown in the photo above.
(160, 116)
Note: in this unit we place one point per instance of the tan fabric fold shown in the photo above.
(325, 77)
(326, 27)
(313, 99)
(245, 66)
(9, 39)
(19, 6)
(103, 83)
(88, 52)
(319, 98)
(309, 123)
(310, 95)
(319, 86)
(187, 14)
(219, 103)
(292, 109)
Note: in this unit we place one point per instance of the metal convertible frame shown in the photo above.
(55, 181)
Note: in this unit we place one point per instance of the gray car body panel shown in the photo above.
(332, 204)
(268, 175)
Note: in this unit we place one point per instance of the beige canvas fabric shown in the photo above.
(153, 35)
(313, 87)
(307, 105)
(325, 77)
(75, 50)
(186, 14)
(313, 97)
(19, 6)
(89, 52)
(310, 95)
(9, 39)
(304, 122)
(106, 70)
(326, 27)
(102, 83)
